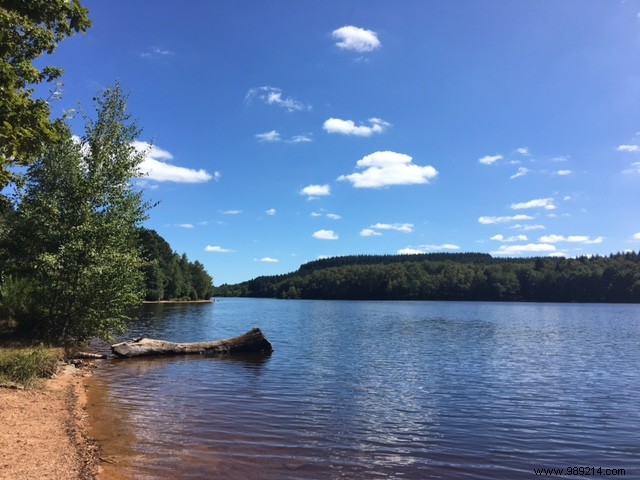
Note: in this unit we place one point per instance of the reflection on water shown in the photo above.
(383, 390)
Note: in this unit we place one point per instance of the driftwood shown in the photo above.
(253, 341)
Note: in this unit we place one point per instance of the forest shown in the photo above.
(458, 276)
(169, 276)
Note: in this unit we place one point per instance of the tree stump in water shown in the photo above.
(253, 341)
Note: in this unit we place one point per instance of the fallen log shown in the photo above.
(253, 341)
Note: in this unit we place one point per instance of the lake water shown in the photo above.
(366, 390)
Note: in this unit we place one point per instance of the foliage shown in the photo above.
(169, 276)
(29, 29)
(74, 234)
(23, 366)
(455, 277)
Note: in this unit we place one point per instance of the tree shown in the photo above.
(75, 230)
(29, 29)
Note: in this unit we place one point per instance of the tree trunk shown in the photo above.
(253, 341)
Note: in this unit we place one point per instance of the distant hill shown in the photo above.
(454, 276)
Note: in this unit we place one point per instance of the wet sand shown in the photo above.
(44, 432)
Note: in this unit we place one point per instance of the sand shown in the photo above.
(44, 431)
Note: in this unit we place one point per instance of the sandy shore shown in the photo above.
(44, 431)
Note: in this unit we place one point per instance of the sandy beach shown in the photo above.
(44, 432)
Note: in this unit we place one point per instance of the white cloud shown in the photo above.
(348, 127)
(564, 173)
(356, 39)
(271, 211)
(571, 239)
(316, 214)
(268, 260)
(369, 232)
(528, 248)
(634, 168)
(636, 236)
(399, 227)
(523, 151)
(546, 203)
(154, 166)
(306, 138)
(513, 238)
(513, 218)
(325, 235)
(157, 52)
(232, 212)
(629, 148)
(272, 136)
(527, 227)
(333, 216)
(522, 171)
(314, 191)
(217, 249)
(490, 159)
(427, 248)
(186, 225)
(383, 169)
(274, 96)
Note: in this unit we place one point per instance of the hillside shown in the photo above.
(458, 276)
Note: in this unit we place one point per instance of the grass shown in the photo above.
(25, 365)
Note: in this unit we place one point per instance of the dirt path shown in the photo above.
(43, 432)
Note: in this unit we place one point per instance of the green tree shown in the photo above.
(29, 29)
(75, 230)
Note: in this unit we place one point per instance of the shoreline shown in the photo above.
(175, 302)
(45, 431)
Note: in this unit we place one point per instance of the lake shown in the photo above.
(365, 390)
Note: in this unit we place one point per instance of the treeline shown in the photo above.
(472, 276)
(169, 276)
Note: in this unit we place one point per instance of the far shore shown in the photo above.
(161, 302)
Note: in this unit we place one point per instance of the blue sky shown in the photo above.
(286, 131)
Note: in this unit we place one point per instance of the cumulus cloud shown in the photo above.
(399, 227)
(356, 39)
(522, 171)
(490, 159)
(636, 236)
(523, 151)
(268, 260)
(563, 173)
(325, 235)
(186, 225)
(315, 191)
(348, 127)
(369, 232)
(546, 203)
(527, 227)
(629, 148)
(274, 96)
(271, 212)
(383, 169)
(427, 248)
(155, 167)
(232, 212)
(272, 136)
(513, 238)
(333, 216)
(217, 249)
(633, 168)
(530, 248)
(571, 239)
(506, 219)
